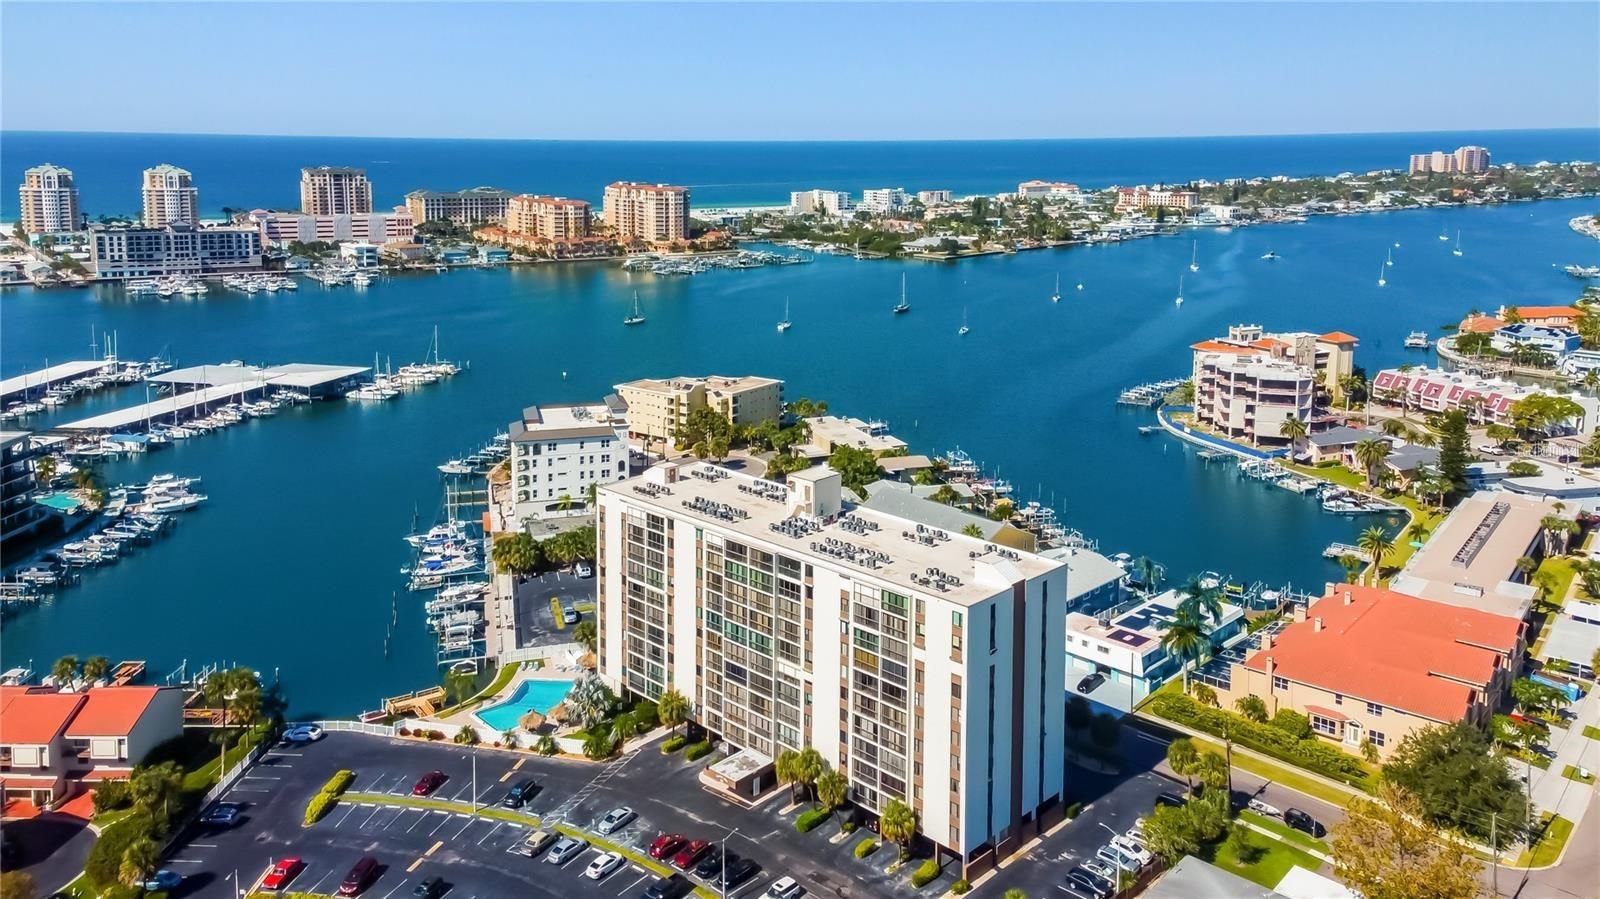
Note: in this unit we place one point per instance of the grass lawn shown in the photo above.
(1403, 550)
(502, 676)
(1591, 732)
(1285, 832)
(1572, 774)
(1273, 860)
(1285, 775)
(1549, 845)
(1564, 570)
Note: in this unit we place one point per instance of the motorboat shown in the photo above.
(1417, 340)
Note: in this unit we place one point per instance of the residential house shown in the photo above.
(52, 743)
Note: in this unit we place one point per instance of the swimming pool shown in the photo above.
(533, 695)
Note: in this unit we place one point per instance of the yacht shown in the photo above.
(1457, 250)
(903, 306)
(1417, 340)
(1269, 255)
(785, 324)
(1444, 235)
(637, 318)
(1583, 271)
(1194, 258)
(1390, 259)
(1179, 300)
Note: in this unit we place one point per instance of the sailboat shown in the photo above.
(904, 306)
(785, 324)
(1457, 250)
(1270, 255)
(1179, 300)
(1381, 280)
(964, 328)
(1194, 258)
(1056, 297)
(1390, 260)
(1444, 235)
(637, 317)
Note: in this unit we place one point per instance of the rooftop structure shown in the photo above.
(37, 382)
(1574, 636)
(1471, 559)
(1250, 382)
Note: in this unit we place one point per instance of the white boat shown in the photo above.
(1583, 271)
(903, 305)
(785, 324)
(1444, 235)
(1457, 250)
(964, 328)
(1179, 300)
(1381, 279)
(1056, 297)
(1194, 258)
(1269, 255)
(637, 318)
(1390, 259)
(1417, 340)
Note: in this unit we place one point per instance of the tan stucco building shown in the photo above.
(657, 408)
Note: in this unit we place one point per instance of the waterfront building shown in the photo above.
(1248, 383)
(279, 229)
(1472, 160)
(560, 450)
(1465, 160)
(1547, 316)
(463, 207)
(924, 665)
(335, 190)
(59, 743)
(1123, 645)
(568, 248)
(1144, 198)
(361, 254)
(1556, 341)
(170, 197)
(829, 432)
(884, 200)
(19, 514)
(1478, 323)
(1485, 400)
(49, 201)
(555, 219)
(935, 197)
(825, 202)
(653, 213)
(1368, 664)
(656, 408)
(914, 501)
(1471, 559)
(180, 249)
(1043, 190)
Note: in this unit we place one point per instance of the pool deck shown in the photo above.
(548, 672)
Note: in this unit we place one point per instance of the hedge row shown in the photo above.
(925, 874)
(339, 782)
(866, 847)
(807, 821)
(324, 801)
(698, 750)
(673, 744)
(1310, 753)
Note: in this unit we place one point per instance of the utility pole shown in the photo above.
(1494, 851)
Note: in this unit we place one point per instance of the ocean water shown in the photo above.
(251, 172)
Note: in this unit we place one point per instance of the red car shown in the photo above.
(429, 782)
(690, 855)
(667, 845)
(279, 875)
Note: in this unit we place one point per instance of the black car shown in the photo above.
(711, 865)
(675, 887)
(1301, 821)
(737, 871)
(431, 888)
(223, 814)
(520, 793)
(1088, 684)
(1081, 881)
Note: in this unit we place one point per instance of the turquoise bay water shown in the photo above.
(531, 696)
(293, 564)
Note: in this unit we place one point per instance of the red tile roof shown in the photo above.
(1340, 337)
(35, 718)
(1482, 324)
(1530, 313)
(111, 711)
(1218, 346)
(1402, 652)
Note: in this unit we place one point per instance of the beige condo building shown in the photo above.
(654, 213)
(335, 190)
(463, 207)
(657, 408)
(48, 200)
(549, 218)
(170, 197)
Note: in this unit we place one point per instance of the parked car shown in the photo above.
(736, 870)
(223, 814)
(785, 888)
(569, 615)
(1088, 684)
(690, 854)
(1261, 808)
(615, 820)
(429, 888)
(302, 734)
(674, 887)
(604, 865)
(163, 881)
(1100, 869)
(281, 873)
(667, 845)
(565, 850)
(1136, 832)
(429, 782)
(583, 569)
(520, 793)
(1301, 821)
(537, 842)
(1133, 849)
(361, 876)
(1117, 858)
(1089, 885)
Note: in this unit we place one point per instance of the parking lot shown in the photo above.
(472, 853)
(536, 623)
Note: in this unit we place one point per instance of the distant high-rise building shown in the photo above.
(1472, 160)
(884, 200)
(1465, 160)
(49, 201)
(810, 202)
(170, 197)
(551, 218)
(651, 212)
(332, 190)
(464, 207)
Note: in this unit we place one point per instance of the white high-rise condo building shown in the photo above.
(335, 190)
(170, 197)
(927, 666)
(884, 200)
(654, 213)
(49, 201)
(180, 249)
(811, 202)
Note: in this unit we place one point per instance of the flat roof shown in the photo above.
(1572, 640)
(294, 374)
(163, 408)
(1471, 559)
(60, 372)
(903, 558)
(558, 421)
(1193, 878)
(834, 430)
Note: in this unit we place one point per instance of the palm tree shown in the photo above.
(785, 767)
(1212, 769)
(1557, 532)
(564, 502)
(1350, 385)
(1352, 568)
(1370, 453)
(584, 633)
(832, 787)
(139, 861)
(95, 667)
(1185, 639)
(972, 530)
(589, 700)
(1295, 430)
(1182, 756)
(1201, 599)
(1376, 543)
(65, 671)
(898, 824)
(1148, 573)
(672, 708)
(1252, 707)
(809, 766)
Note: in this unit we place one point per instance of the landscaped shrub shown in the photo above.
(404, 732)
(961, 887)
(673, 744)
(866, 847)
(1311, 754)
(105, 856)
(1292, 723)
(319, 806)
(848, 827)
(698, 751)
(339, 782)
(436, 735)
(807, 821)
(1074, 810)
(648, 716)
(111, 795)
(925, 874)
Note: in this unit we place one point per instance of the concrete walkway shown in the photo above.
(1548, 788)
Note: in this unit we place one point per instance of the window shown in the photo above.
(1374, 710)
(955, 619)
(1338, 699)
(955, 691)
(992, 619)
(1280, 683)
(1376, 736)
(1325, 726)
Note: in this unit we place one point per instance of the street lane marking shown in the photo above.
(186, 861)
(514, 768)
(202, 845)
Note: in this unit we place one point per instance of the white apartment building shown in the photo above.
(48, 200)
(180, 249)
(557, 452)
(1485, 400)
(170, 197)
(827, 202)
(335, 190)
(279, 229)
(935, 197)
(884, 200)
(464, 207)
(925, 665)
(654, 213)
(361, 255)
(1039, 190)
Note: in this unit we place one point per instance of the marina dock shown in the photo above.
(216, 385)
(37, 383)
(1338, 550)
(1149, 395)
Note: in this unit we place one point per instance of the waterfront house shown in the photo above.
(55, 743)
(176, 249)
(495, 255)
(1556, 341)
(1368, 664)
(1546, 316)
(1123, 644)
(361, 255)
(1478, 323)
(1471, 559)
(829, 432)
(404, 250)
(1407, 460)
(1338, 443)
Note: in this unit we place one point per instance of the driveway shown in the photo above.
(52, 847)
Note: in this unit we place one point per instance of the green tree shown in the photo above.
(945, 494)
(1184, 760)
(856, 467)
(1294, 430)
(466, 736)
(1535, 697)
(1459, 782)
(1376, 543)
(1352, 567)
(599, 744)
(95, 667)
(1252, 707)
(809, 766)
(139, 861)
(1292, 723)
(155, 789)
(18, 885)
(1370, 453)
(1383, 850)
(786, 767)
(673, 709)
(590, 701)
(1455, 451)
(1204, 694)
(65, 671)
(584, 634)
(1148, 573)
(1169, 832)
(516, 553)
(546, 745)
(1212, 770)
(832, 787)
(1186, 638)
(898, 825)
(972, 530)
(44, 469)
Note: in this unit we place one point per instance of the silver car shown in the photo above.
(565, 850)
(615, 820)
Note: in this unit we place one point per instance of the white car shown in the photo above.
(1118, 859)
(604, 865)
(785, 888)
(1136, 832)
(304, 733)
(615, 820)
(1261, 808)
(583, 569)
(1133, 849)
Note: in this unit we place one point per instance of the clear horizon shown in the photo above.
(790, 72)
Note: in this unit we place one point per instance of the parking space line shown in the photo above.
(375, 810)
(420, 818)
(314, 886)
(347, 813)
(400, 884)
(489, 834)
(186, 861)
(470, 822)
(630, 886)
(442, 822)
(202, 845)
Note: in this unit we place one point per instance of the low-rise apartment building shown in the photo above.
(180, 249)
(1364, 663)
(1159, 198)
(653, 213)
(558, 451)
(1485, 400)
(48, 201)
(550, 218)
(1247, 384)
(1044, 190)
(463, 207)
(279, 229)
(925, 665)
(54, 742)
(335, 190)
(1471, 559)
(658, 407)
(169, 197)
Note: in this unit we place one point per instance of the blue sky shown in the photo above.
(797, 71)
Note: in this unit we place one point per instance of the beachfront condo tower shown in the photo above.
(170, 197)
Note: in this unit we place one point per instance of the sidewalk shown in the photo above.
(1550, 789)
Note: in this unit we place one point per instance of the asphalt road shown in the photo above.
(51, 847)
